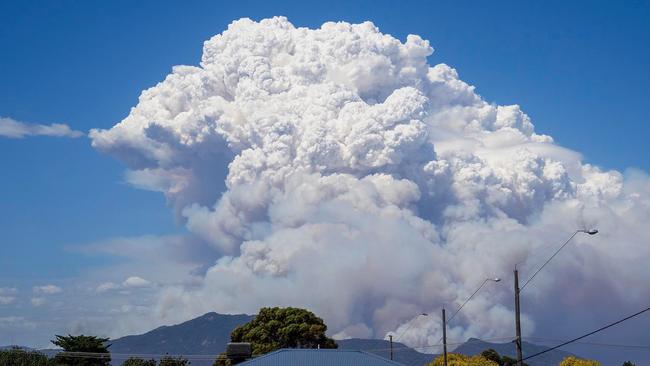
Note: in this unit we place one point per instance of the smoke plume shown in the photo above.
(335, 169)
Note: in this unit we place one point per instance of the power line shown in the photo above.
(548, 260)
(588, 334)
(211, 356)
(600, 344)
(409, 326)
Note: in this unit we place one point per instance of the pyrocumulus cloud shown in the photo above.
(336, 169)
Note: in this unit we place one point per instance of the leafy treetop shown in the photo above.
(574, 361)
(81, 343)
(95, 349)
(454, 359)
(494, 356)
(135, 361)
(20, 357)
(275, 328)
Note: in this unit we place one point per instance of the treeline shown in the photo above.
(79, 350)
(22, 357)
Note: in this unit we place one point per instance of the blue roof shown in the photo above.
(319, 357)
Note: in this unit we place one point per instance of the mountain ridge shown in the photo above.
(202, 338)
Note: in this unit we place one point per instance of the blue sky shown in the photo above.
(579, 70)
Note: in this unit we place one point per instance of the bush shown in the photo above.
(573, 361)
(21, 357)
(135, 361)
(454, 359)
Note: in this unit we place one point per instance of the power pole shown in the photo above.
(390, 337)
(517, 320)
(444, 336)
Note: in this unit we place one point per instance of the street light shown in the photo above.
(518, 342)
(588, 232)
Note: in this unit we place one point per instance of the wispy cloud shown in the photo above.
(38, 301)
(7, 290)
(129, 283)
(16, 322)
(16, 130)
(47, 289)
(6, 295)
(6, 300)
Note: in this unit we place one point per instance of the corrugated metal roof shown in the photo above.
(319, 357)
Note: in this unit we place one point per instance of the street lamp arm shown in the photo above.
(399, 336)
(466, 301)
(471, 296)
(590, 232)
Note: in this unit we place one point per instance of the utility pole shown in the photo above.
(444, 336)
(390, 337)
(517, 320)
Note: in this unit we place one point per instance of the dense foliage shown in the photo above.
(275, 328)
(82, 350)
(20, 357)
(135, 361)
(573, 361)
(454, 359)
(494, 356)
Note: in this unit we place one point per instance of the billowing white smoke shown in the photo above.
(369, 186)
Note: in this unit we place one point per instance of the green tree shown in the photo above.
(275, 328)
(492, 355)
(171, 361)
(574, 361)
(454, 359)
(135, 361)
(509, 361)
(21, 357)
(82, 350)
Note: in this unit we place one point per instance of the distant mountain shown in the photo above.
(205, 335)
(200, 339)
(401, 353)
(2, 348)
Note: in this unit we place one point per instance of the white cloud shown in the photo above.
(15, 129)
(11, 319)
(16, 322)
(7, 290)
(132, 282)
(38, 301)
(47, 289)
(135, 282)
(107, 286)
(370, 186)
(6, 300)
